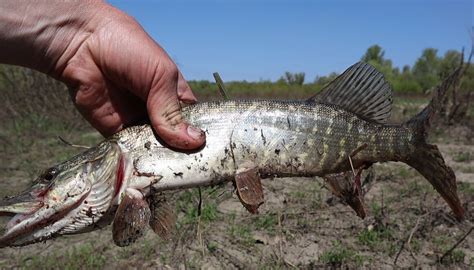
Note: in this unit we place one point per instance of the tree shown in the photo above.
(293, 78)
(375, 56)
(449, 63)
(426, 69)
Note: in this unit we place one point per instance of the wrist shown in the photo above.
(38, 34)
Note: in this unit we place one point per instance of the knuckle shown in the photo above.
(170, 70)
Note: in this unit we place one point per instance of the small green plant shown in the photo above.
(403, 172)
(361, 259)
(189, 206)
(239, 231)
(212, 247)
(375, 238)
(369, 238)
(298, 194)
(81, 257)
(337, 255)
(463, 157)
(415, 245)
(376, 209)
(266, 222)
(441, 242)
(456, 256)
(209, 212)
(316, 195)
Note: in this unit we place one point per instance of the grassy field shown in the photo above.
(300, 225)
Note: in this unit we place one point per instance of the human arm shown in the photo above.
(116, 73)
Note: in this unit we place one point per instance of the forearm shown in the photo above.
(39, 34)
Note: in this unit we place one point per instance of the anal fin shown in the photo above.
(249, 189)
(342, 185)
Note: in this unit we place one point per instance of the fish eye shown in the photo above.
(50, 174)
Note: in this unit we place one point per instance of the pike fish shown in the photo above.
(335, 134)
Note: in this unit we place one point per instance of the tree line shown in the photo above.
(427, 71)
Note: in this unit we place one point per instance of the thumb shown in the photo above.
(164, 110)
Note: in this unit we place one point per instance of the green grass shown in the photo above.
(212, 247)
(239, 231)
(463, 157)
(339, 254)
(415, 186)
(187, 203)
(456, 256)
(298, 194)
(443, 244)
(266, 222)
(375, 238)
(467, 188)
(376, 209)
(415, 245)
(81, 257)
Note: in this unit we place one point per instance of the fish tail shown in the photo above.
(426, 158)
(429, 162)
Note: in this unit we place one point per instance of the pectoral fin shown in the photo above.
(131, 220)
(163, 216)
(249, 189)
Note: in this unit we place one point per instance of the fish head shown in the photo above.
(57, 199)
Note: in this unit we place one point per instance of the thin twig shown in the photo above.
(400, 251)
(200, 202)
(71, 144)
(457, 244)
(220, 85)
(199, 233)
(415, 228)
(352, 166)
(382, 208)
(280, 249)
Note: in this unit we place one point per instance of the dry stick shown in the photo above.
(382, 210)
(280, 231)
(352, 165)
(457, 244)
(399, 251)
(200, 202)
(415, 228)
(198, 232)
(71, 144)
(221, 86)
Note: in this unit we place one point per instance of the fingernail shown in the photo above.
(195, 133)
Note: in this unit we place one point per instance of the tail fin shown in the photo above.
(426, 158)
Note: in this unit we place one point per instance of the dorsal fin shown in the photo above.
(362, 90)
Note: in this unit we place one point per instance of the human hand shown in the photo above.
(117, 74)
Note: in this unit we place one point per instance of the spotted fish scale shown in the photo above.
(280, 138)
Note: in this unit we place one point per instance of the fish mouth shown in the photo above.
(30, 215)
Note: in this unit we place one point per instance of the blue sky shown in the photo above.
(261, 39)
